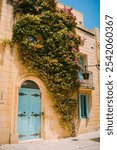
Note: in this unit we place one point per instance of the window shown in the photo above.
(84, 106)
(32, 39)
(81, 62)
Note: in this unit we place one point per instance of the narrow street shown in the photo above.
(89, 141)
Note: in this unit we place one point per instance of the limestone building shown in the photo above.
(16, 82)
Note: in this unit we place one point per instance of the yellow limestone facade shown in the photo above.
(13, 74)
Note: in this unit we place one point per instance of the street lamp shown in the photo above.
(86, 73)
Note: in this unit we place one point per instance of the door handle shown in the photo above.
(35, 114)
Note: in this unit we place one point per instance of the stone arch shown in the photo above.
(44, 97)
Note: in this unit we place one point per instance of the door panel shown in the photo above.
(23, 111)
(29, 110)
(34, 113)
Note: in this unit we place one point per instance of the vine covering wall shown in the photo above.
(49, 46)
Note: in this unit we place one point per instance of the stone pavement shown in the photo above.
(82, 142)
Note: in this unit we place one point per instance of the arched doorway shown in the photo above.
(29, 111)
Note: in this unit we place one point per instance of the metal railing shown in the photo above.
(87, 83)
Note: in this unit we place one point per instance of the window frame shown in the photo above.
(82, 61)
(87, 106)
(32, 39)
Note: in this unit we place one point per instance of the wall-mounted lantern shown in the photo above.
(86, 73)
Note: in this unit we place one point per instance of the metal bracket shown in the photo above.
(22, 114)
(22, 94)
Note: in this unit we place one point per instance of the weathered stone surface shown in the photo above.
(13, 74)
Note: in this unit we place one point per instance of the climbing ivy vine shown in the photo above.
(49, 46)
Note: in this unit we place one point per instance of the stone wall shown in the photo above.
(6, 20)
(90, 51)
(13, 74)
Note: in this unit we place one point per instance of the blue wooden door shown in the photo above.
(29, 114)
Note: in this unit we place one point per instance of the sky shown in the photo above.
(90, 9)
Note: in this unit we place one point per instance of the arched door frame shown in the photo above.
(42, 89)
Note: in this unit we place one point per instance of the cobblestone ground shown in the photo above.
(82, 142)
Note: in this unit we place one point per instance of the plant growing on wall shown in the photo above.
(49, 46)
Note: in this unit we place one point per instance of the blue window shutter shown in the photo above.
(79, 100)
(81, 62)
(80, 75)
(88, 106)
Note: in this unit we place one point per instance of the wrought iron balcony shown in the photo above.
(87, 84)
